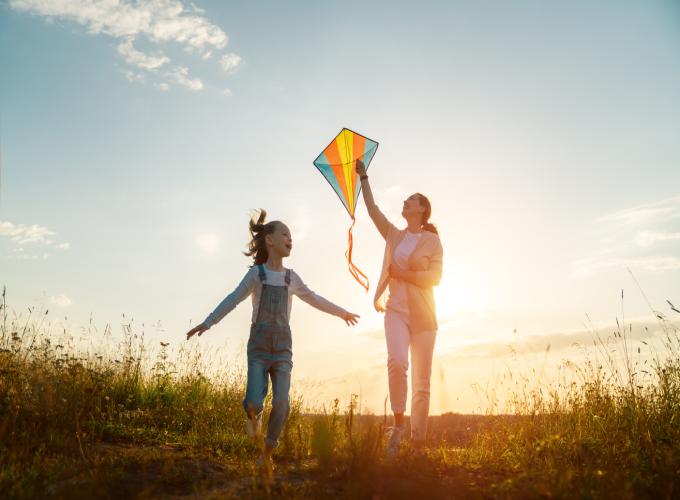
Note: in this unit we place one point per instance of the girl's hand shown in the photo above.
(197, 329)
(360, 168)
(350, 318)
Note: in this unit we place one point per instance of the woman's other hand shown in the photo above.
(397, 272)
(197, 329)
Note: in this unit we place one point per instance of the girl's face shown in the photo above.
(280, 241)
(412, 207)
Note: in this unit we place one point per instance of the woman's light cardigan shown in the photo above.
(426, 264)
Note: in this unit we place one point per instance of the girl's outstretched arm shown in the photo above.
(378, 218)
(298, 287)
(244, 288)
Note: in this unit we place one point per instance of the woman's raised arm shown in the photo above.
(378, 218)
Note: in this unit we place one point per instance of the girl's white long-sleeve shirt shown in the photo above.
(251, 285)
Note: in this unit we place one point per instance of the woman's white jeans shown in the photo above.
(399, 338)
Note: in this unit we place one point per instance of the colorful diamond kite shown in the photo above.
(337, 163)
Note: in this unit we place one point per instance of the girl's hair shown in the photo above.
(257, 246)
(426, 225)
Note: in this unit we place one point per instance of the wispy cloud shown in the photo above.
(60, 300)
(26, 235)
(643, 237)
(22, 233)
(134, 77)
(649, 238)
(154, 21)
(181, 76)
(668, 208)
(149, 62)
(230, 62)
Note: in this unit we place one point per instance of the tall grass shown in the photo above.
(612, 431)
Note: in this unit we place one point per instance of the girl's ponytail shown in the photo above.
(257, 246)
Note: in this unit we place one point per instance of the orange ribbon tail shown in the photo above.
(361, 278)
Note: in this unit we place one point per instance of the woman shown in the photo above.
(412, 266)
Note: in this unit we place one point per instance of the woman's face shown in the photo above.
(280, 240)
(412, 207)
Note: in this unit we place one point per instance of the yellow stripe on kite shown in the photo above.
(348, 165)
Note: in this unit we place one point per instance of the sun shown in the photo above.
(456, 293)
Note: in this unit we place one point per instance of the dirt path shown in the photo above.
(175, 472)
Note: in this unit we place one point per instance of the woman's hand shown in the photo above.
(197, 329)
(360, 168)
(397, 272)
(350, 318)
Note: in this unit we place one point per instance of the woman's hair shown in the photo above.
(257, 246)
(426, 225)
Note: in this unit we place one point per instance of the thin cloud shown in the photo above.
(60, 300)
(29, 235)
(655, 264)
(230, 62)
(155, 21)
(665, 209)
(181, 76)
(649, 238)
(149, 62)
(159, 20)
(23, 234)
(633, 238)
(133, 77)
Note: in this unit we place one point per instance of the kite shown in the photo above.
(337, 163)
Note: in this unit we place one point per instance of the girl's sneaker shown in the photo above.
(254, 426)
(264, 463)
(394, 438)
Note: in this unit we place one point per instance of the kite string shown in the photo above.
(354, 270)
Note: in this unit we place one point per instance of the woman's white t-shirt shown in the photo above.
(398, 300)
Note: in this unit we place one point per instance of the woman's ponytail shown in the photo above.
(426, 225)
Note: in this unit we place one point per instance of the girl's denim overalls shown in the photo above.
(270, 354)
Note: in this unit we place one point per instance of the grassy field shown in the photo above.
(121, 425)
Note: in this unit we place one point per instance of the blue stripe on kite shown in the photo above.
(369, 150)
(321, 160)
(328, 173)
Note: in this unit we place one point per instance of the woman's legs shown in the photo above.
(422, 347)
(397, 337)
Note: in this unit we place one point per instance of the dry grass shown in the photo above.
(129, 426)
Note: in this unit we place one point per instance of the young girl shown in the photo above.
(412, 266)
(270, 344)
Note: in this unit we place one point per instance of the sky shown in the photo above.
(136, 138)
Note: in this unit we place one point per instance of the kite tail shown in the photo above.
(361, 278)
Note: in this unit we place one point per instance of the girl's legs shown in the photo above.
(256, 387)
(422, 347)
(280, 374)
(397, 337)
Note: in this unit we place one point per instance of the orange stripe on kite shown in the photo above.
(333, 156)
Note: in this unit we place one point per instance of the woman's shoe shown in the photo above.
(394, 438)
